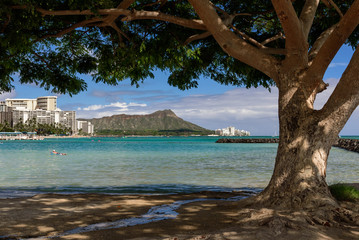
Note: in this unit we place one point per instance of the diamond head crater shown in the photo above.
(164, 122)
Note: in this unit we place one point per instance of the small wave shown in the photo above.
(20, 192)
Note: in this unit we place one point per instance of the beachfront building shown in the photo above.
(21, 103)
(232, 131)
(48, 103)
(44, 103)
(43, 109)
(5, 113)
(85, 127)
(57, 117)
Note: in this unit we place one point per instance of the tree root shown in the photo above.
(335, 217)
(279, 222)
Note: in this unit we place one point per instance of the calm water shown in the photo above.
(146, 165)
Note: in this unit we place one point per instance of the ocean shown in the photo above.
(152, 165)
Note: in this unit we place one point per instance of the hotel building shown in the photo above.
(85, 127)
(43, 109)
(232, 131)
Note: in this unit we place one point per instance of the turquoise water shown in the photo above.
(146, 165)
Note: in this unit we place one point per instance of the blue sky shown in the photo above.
(211, 105)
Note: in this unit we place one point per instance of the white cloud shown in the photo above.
(5, 95)
(97, 111)
(120, 105)
(340, 64)
(250, 109)
(93, 108)
(137, 105)
(254, 110)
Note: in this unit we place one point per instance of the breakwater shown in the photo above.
(348, 144)
(248, 140)
(345, 143)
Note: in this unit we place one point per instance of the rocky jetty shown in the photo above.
(248, 140)
(348, 144)
(345, 143)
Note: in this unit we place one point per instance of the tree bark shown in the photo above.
(298, 180)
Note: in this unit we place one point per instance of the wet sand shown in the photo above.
(51, 215)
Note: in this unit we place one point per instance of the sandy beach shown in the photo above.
(56, 216)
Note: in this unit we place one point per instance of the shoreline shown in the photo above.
(14, 193)
(72, 136)
(203, 215)
(73, 216)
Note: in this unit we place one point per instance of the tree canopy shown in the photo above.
(51, 43)
(286, 43)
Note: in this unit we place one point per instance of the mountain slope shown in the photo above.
(165, 120)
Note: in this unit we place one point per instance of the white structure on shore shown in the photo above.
(85, 127)
(43, 110)
(232, 131)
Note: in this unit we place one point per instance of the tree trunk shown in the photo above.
(298, 180)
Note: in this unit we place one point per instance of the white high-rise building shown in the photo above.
(21, 103)
(85, 126)
(43, 109)
(232, 131)
(65, 118)
(45, 103)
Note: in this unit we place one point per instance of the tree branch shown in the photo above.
(73, 27)
(119, 32)
(246, 37)
(307, 16)
(278, 36)
(43, 60)
(189, 23)
(228, 19)
(260, 46)
(130, 15)
(332, 44)
(110, 19)
(232, 44)
(123, 5)
(319, 43)
(162, 2)
(330, 3)
(292, 27)
(197, 37)
(274, 51)
(345, 97)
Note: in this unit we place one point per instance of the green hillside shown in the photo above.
(164, 122)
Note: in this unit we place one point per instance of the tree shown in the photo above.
(5, 127)
(31, 125)
(20, 126)
(286, 44)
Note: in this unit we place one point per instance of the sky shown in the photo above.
(211, 105)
